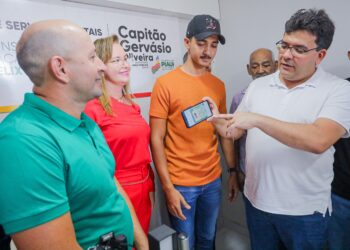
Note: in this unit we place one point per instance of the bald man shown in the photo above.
(261, 63)
(54, 163)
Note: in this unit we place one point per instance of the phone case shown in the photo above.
(196, 114)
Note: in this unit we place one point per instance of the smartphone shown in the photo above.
(196, 114)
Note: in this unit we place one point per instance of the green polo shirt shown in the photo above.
(52, 163)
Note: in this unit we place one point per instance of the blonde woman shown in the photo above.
(126, 132)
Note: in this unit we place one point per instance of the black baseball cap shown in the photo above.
(203, 26)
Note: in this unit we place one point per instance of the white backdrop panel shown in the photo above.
(152, 42)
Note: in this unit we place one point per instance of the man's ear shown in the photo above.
(187, 42)
(248, 70)
(321, 55)
(349, 54)
(58, 68)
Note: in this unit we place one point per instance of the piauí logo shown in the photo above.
(156, 66)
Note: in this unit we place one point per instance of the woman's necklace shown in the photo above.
(121, 99)
(124, 100)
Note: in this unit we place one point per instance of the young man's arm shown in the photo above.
(173, 197)
(57, 234)
(229, 153)
(141, 242)
(316, 137)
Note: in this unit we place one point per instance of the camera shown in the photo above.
(110, 241)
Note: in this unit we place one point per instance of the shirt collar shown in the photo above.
(312, 82)
(63, 119)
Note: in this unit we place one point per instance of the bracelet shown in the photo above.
(232, 170)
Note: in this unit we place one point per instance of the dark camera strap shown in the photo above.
(4, 240)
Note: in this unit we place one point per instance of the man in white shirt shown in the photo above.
(261, 63)
(293, 117)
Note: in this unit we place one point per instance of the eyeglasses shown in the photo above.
(297, 50)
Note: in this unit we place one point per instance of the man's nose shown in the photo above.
(287, 53)
(208, 50)
(101, 66)
(261, 69)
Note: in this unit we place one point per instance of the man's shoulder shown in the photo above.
(329, 78)
(177, 74)
(332, 83)
(265, 80)
(261, 84)
(214, 79)
(17, 121)
(25, 124)
(170, 76)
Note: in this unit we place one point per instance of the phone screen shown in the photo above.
(196, 114)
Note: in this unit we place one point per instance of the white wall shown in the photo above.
(248, 25)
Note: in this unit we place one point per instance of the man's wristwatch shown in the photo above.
(232, 170)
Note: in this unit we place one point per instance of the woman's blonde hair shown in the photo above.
(104, 50)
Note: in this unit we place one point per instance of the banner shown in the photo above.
(151, 42)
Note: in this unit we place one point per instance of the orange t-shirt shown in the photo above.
(192, 153)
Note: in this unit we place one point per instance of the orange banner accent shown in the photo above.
(7, 109)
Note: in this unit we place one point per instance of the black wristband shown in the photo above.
(232, 170)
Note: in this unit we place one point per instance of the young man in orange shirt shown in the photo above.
(187, 159)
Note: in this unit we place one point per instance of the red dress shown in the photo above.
(128, 136)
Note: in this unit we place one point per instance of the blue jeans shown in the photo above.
(275, 231)
(339, 228)
(200, 223)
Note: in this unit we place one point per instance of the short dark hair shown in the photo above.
(317, 22)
